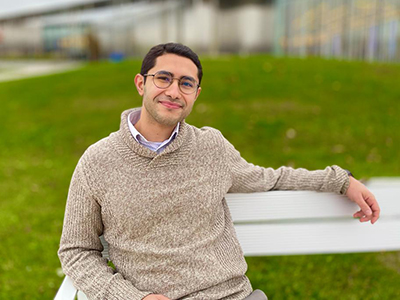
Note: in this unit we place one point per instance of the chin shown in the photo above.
(169, 121)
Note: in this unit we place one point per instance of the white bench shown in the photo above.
(303, 222)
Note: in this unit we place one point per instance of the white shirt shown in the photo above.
(133, 117)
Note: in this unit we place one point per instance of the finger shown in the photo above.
(376, 210)
(376, 215)
(365, 219)
(371, 201)
(363, 205)
(358, 214)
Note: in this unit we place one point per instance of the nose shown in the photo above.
(173, 90)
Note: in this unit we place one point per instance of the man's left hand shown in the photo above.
(358, 193)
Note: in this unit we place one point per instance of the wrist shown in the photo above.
(349, 173)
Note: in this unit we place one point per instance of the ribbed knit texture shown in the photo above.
(165, 216)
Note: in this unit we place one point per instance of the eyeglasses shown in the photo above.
(164, 79)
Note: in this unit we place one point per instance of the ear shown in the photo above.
(139, 83)
(197, 93)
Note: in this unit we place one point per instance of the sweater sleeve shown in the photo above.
(80, 247)
(248, 178)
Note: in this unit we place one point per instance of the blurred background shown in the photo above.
(93, 29)
(301, 83)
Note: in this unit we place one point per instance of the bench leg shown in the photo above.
(67, 291)
(82, 296)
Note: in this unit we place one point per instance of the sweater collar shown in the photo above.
(132, 145)
(133, 117)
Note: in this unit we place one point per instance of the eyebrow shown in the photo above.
(164, 72)
(173, 75)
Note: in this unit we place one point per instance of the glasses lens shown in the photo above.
(187, 85)
(162, 80)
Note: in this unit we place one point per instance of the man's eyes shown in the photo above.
(164, 78)
(187, 83)
(184, 82)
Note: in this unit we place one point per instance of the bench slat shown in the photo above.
(383, 182)
(344, 236)
(277, 205)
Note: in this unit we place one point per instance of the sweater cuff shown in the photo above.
(343, 178)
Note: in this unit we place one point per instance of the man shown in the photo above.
(156, 189)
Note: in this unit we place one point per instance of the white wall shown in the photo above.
(22, 36)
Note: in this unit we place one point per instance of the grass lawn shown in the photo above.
(276, 111)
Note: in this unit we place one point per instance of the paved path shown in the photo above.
(19, 69)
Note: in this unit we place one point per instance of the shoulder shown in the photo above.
(98, 157)
(97, 151)
(207, 140)
(97, 163)
(207, 132)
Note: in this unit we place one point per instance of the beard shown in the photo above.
(164, 118)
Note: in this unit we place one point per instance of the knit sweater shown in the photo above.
(165, 216)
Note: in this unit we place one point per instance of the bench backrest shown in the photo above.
(284, 223)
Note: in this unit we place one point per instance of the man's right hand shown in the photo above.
(155, 297)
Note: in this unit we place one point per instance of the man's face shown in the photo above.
(167, 106)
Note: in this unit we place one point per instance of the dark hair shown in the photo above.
(149, 60)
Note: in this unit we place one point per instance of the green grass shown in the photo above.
(276, 111)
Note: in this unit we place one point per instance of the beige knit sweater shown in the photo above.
(165, 216)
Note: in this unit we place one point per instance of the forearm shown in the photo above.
(258, 179)
(80, 247)
(331, 179)
(247, 177)
(91, 274)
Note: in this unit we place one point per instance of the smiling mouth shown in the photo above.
(170, 105)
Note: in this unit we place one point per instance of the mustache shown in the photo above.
(169, 99)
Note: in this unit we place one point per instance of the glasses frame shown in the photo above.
(172, 81)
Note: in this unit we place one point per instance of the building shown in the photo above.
(350, 29)
(92, 28)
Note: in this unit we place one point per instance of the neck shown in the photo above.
(153, 131)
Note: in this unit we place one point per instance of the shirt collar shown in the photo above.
(133, 118)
